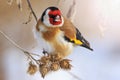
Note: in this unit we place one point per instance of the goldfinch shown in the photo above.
(57, 35)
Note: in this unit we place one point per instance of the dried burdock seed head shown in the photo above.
(65, 64)
(57, 57)
(32, 69)
(43, 70)
(52, 62)
(55, 66)
(45, 59)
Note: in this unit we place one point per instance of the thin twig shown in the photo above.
(76, 77)
(16, 45)
(72, 11)
(58, 2)
(19, 4)
(31, 57)
(12, 41)
(29, 19)
(29, 4)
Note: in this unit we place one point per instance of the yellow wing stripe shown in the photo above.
(78, 42)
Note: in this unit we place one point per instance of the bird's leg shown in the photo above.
(45, 52)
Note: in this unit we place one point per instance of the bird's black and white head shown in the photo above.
(52, 17)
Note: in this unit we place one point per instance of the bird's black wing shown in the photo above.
(79, 40)
(85, 43)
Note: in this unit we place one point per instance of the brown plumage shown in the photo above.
(69, 29)
(51, 34)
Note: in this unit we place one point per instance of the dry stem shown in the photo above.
(29, 19)
(29, 4)
(28, 54)
(72, 11)
(76, 77)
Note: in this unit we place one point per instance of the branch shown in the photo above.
(29, 4)
(12, 41)
(72, 74)
(72, 11)
(102, 30)
(58, 2)
(28, 54)
(29, 19)
(19, 4)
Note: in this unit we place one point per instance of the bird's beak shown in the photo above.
(57, 18)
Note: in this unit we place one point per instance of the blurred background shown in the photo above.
(98, 21)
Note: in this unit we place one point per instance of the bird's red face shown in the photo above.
(52, 17)
(55, 17)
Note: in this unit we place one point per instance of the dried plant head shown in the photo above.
(43, 69)
(55, 66)
(57, 57)
(65, 64)
(32, 69)
(45, 59)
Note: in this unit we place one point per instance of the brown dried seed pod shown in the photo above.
(32, 69)
(57, 57)
(45, 59)
(65, 64)
(43, 70)
(55, 66)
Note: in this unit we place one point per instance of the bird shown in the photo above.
(56, 34)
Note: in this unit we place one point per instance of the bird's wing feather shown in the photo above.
(85, 43)
(73, 35)
(70, 32)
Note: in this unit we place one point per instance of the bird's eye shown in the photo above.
(51, 16)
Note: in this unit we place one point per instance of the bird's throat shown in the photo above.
(55, 22)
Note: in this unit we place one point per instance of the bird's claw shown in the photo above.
(45, 53)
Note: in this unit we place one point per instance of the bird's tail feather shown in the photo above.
(87, 46)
